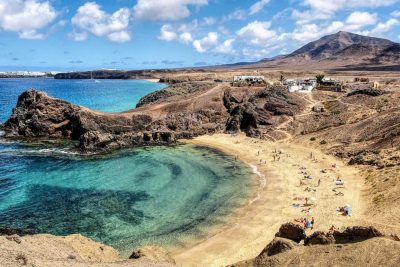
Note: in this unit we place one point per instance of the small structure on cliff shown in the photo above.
(302, 86)
(248, 80)
(329, 84)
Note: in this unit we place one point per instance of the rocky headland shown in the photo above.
(357, 130)
(184, 110)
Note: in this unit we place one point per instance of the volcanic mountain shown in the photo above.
(343, 50)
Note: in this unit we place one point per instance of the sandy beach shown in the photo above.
(252, 227)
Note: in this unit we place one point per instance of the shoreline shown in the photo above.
(248, 230)
(151, 80)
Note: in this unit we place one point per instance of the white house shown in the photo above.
(249, 79)
(302, 86)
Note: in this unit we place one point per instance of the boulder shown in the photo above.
(153, 253)
(278, 245)
(291, 231)
(319, 238)
(318, 108)
(356, 233)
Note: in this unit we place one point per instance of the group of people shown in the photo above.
(345, 210)
(306, 222)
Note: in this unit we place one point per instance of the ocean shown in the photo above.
(156, 195)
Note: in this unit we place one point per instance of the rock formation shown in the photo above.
(39, 116)
(260, 113)
(340, 248)
(291, 231)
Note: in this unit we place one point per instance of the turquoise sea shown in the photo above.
(158, 195)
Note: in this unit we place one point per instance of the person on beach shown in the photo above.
(312, 222)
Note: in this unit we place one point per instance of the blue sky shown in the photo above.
(143, 34)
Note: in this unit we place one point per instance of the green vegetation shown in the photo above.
(313, 139)
(319, 78)
(323, 142)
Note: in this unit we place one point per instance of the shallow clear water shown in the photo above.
(103, 95)
(157, 195)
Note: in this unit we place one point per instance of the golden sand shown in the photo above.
(252, 227)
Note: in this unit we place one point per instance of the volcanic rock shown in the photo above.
(291, 231)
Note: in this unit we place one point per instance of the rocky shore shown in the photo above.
(39, 116)
(184, 110)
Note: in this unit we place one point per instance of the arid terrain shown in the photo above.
(330, 156)
(355, 136)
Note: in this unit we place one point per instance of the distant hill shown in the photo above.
(343, 50)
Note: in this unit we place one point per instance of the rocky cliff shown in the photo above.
(37, 115)
(180, 111)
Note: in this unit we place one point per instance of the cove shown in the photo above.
(159, 195)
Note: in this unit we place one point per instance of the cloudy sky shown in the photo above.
(136, 34)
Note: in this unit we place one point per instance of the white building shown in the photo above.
(302, 86)
(249, 79)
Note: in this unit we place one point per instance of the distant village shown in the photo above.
(26, 74)
(303, 85)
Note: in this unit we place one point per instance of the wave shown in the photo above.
(2, 133)
(263, 182)
(41, 152)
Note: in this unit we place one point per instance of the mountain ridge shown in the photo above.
(338, 51)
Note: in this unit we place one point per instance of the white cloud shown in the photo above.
(238, 14)
(203, 45)
(257, 33)
(396, 13)
(322, 9)
(258, 6)
(226, 47)
(186, 37)
(167, 33)
(384, 27)
(26, 17)
(119, 37)
(90, 18)
(165, 10)
(362, 18)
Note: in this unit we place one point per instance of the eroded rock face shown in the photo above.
(319, 238)
(38, 115)
(278, 245)
(256, 114)
(356, 233)
(291, 231)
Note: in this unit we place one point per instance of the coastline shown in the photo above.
(151, 80)
(254, 225)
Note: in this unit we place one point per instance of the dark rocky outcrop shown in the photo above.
(291, 231)
(176, 89)
(369, 92)
(257, 114)
(39, 116)
(278, 245)
(356, 233)
(153, 253)
(105, 74)
(319, 238)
